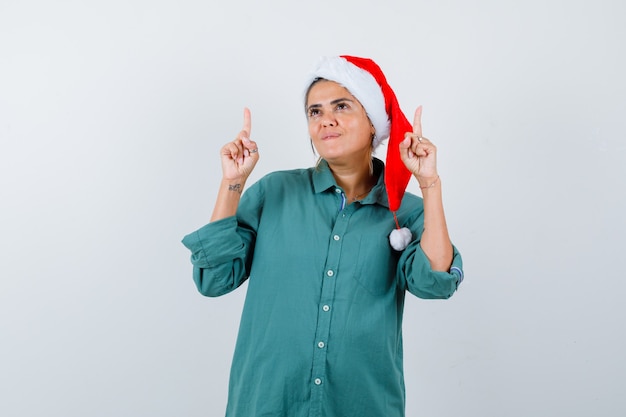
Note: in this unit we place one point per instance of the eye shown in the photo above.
(342, 105)
(314, 112)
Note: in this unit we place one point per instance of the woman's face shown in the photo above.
(338, 125)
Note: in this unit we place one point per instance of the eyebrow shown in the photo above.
(339, 100)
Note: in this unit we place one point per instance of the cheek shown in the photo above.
(360, 127)
(313, 126)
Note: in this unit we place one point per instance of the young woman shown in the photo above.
(330, 252)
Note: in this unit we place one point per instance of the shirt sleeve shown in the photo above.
(415, 273)
(222, 251)
(419, 278)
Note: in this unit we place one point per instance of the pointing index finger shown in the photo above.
(417, 121)
(247, 121)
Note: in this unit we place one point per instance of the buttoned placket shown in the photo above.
(325, 311)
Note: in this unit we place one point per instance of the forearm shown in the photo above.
(228, 198)
(435, 241)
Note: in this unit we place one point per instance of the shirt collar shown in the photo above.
(323, 180)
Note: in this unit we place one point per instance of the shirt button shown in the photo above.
(336, 237)
(320, 345)
(330, 273)
(318, 381)
(337, 190)
(326, 308)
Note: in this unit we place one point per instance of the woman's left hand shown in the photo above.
(418, 153)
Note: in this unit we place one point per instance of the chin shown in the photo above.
(331, 156)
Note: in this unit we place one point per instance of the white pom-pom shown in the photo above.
(400, 238)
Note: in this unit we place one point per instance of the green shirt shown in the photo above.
(321, 328)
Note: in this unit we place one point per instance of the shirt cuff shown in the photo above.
(457, 271)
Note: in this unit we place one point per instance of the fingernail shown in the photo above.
(411, 154)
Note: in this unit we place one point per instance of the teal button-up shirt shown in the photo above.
(321, 328)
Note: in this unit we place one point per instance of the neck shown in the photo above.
(356, 181)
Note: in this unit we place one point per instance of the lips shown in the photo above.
(328, 136)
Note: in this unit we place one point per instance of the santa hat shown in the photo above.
(367, 83)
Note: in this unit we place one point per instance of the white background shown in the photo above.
(111, 118)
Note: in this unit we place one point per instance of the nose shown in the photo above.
(329, 120)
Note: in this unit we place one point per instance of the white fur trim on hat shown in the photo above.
(361, 85)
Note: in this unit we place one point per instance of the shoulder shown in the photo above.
(288, 175)
(411, 202)
(411, 210)
(275, 188)
(280, 180)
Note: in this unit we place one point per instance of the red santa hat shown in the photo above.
(367, 83)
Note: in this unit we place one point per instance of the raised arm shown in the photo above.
(238, 160)
(420, 157)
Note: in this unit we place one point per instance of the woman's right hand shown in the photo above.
(241, 155)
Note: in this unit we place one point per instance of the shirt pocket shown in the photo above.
(376, 265)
